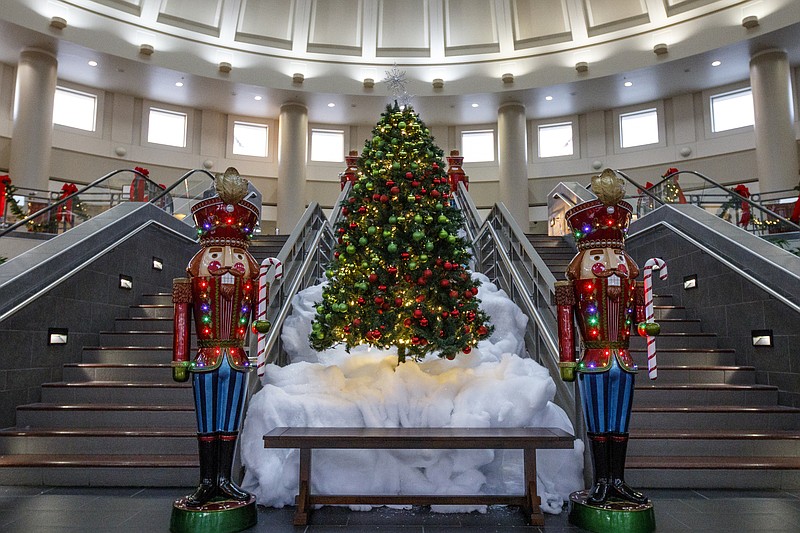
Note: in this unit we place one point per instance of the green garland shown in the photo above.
(48, 226)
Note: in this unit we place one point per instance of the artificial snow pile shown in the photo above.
(490, 387)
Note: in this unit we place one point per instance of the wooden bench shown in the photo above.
(527, 439)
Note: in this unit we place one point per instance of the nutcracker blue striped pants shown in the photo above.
(219, 398)
(607, 398)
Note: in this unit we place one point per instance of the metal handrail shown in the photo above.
(180, 180)
(337, 207)
(472, 219)
(62, 201)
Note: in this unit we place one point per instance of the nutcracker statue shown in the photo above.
(221, 292)
(601, 294)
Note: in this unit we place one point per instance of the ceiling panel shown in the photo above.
(470, 27)
(129, 6)
(197, 15)
(336, 26)
(268, 22)
(538, 22)
(603, 16)
(403, 28)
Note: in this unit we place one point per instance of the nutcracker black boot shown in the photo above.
(207, 445)
(598, 442)
(227, 446)
(619, 450)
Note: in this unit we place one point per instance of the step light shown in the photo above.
(762, 337)
(690, 282)
(57, 336)
(125, 282)
(158, 263)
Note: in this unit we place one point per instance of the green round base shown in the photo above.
(218, 515)
(613, 516)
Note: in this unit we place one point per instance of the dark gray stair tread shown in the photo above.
(99, 432)
(714, 462)
(705, 367)
(143, 348)
(140, 332)
(99, 461)
(118, 365)
(718, 409)
(717, 434)
(122, 384)
(702, 386)
(102, 407)
(685, 350)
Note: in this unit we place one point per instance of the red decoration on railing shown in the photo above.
(64, 212)
(139, 186)
(351, 174)
(742, 190)
(5, 181)
(454, 171)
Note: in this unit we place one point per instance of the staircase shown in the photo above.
(705, 422)
(263, 246)
(556, 252)
(116, 419)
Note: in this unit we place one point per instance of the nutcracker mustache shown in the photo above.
(621, 272)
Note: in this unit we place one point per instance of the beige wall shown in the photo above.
(81, 158)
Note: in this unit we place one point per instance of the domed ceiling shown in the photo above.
(454, 53)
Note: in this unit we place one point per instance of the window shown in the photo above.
(327, 145)
(477, 146)
(250, 139)
(555, 140)
(638, 128)
(732, 110)
(75, 109)
(166, 127)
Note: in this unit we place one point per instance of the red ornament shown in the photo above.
(435, 193)
(417, 313)
(356, 322)
(398, 301)
(468, 294)
(428, 273)
(379, 300)
(445, 314)
(392, 270)
(336, 254)
(420, 298)
(415, 184)
(474, 290)
(346, 329)
(384, 198)
(376, 196)
(409, 175)
(454, 312)
(467, 349)
(373, 278)
(448, 265)
(353, 225)
(467, 329)
(445, 283)
(360, 301)
(483, 331)
(362, 209)
(382, 288)
(352, 199)
(395, 190)
(450, 356)
(406, 322)
(435, 166)
(454, 294)
(423, 322)
(341, 231)
(345, 211)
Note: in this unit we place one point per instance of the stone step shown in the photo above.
(154, 372)
(744, 418)
(652, 395)
(669, 341)
(143, 324)
(661, 312)
(163, 298)
(732, 375)
(129, 355)
(116, 392)
(687, 357)
(153, 311)
(155, 339)
(679, 325)
(93, 470)
(702, 443)
(111, 441)
(41, 415)
(741, 473)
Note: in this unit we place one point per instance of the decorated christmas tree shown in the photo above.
(398, 277)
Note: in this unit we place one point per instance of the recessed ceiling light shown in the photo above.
(178, 84)
(257, 97)
(331, 104)
(628, 83)
(474, 105)
(716, 63)
(93, 63)
(548, 97)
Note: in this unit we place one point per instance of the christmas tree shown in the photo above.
(398, 277)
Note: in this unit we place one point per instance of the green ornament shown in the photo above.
(392, 248)
(423, 258)
(396, 165)
(411, 198)
(439, 206)
(316, 326)
(443, 219)
(329, 273)
(328, 317)
(417, 218)
(387, 234)
(362, 241)
(443, 234)
(320, 309)
(371, 230)
(392, 219)
(263, 326)
(351, 249)
(357, 187)
(417, 235)
(376, 140)
(364, 264)
(429, 246)
(319, 335)
(412, 265)
(370, 186)
(428, 219)
(451, 238)
(401, 125)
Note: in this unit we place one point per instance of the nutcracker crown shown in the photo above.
(226, 219)
(602, 223)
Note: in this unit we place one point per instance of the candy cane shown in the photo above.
(655, 263)
(263, 290)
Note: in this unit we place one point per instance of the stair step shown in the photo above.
(746, 418)
(152, 372)
(126, 355)
(718, 442)
(116, 392)
(649, 394)
(104, 416)
(775, 473)
(680, 325)
(143, 324)
(92, 470)
(136, 338)
(153, 311)
(687, 356)
(161, 298)
(111, 441)
(697, 374)
(661, 312)
(677, 340)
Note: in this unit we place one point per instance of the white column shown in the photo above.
(512, 157)
(776, 147)
(32, 129)
(292, 149)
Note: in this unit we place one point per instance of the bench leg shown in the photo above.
(532, 510)
(302, 500)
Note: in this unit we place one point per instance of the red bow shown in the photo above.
(796, 211)
(64, 213)
(742, 190)
(139, 187)
(5, 181)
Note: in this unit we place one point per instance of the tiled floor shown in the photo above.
(59, 509)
